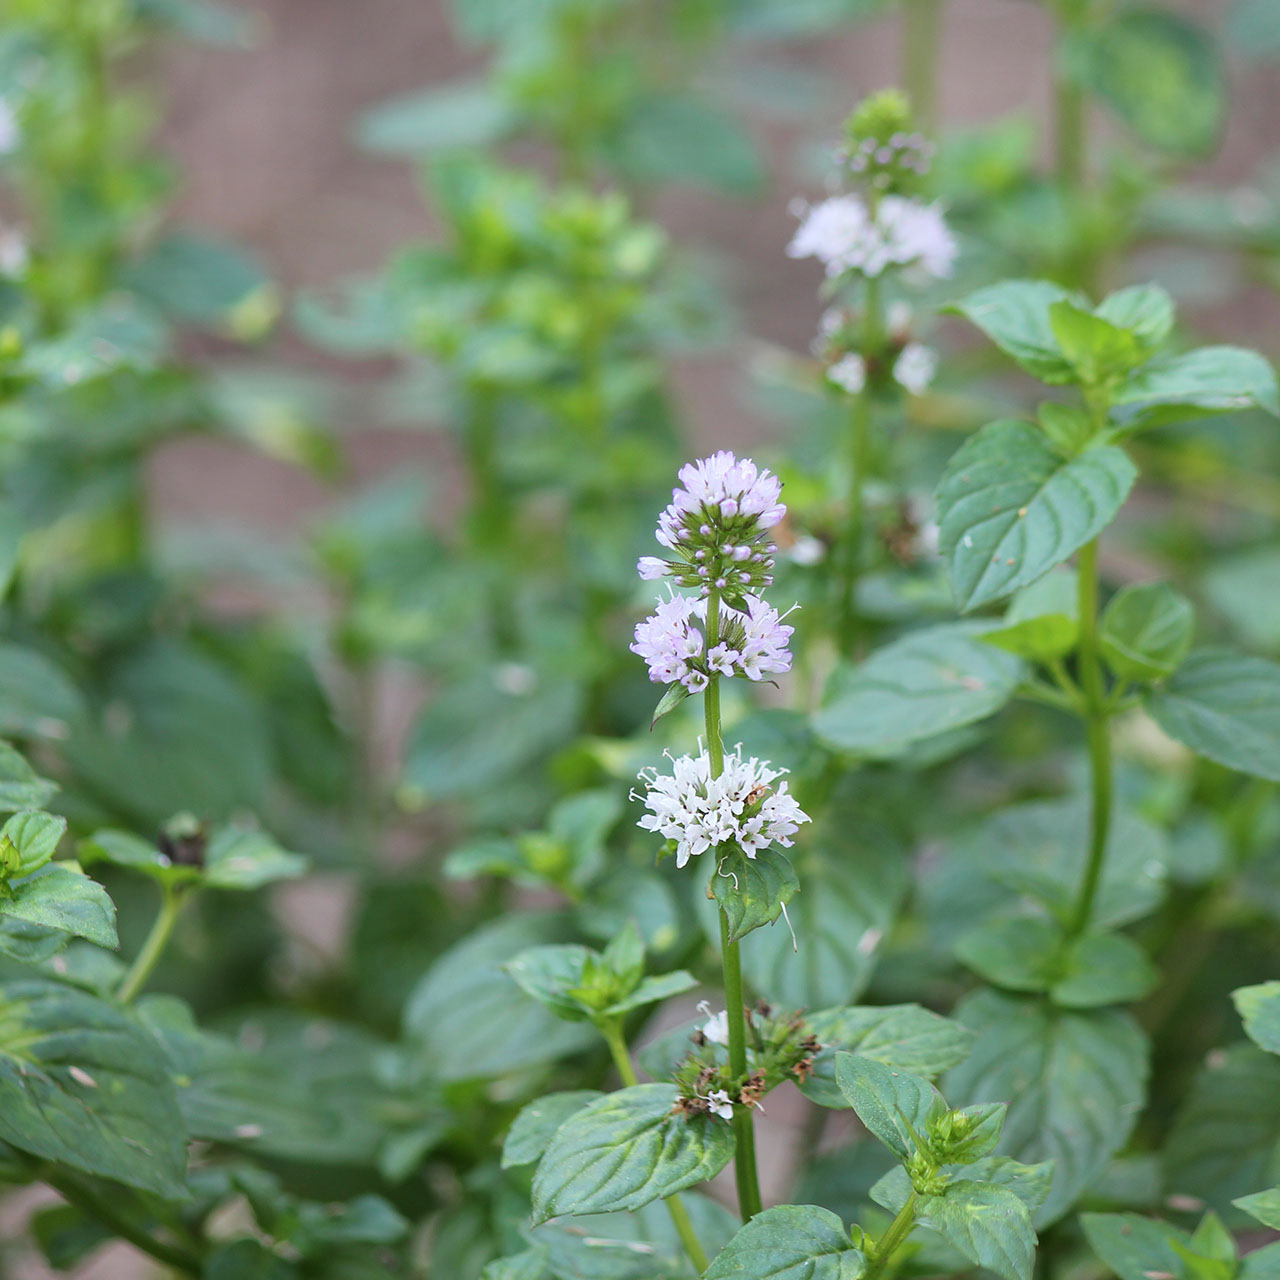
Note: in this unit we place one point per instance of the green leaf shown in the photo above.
(1145, 631)
(670, 700)
(466, 113)
(1206, 381)
(1135, 1247)
(1259, 1008)
(1096, 349)
(1069, 426)
(60, 896)
(627, 1149)
(246, 1260)
(790, 1242)
(35, 836)
(1161, 74)
(1262, 1205)
(672, 138)
(1015, 316)
(36, 697)
(1043, 620)
(1028, 953)
(1244, 590)
(896, 1106)
(753, 891)
(988, 1224)
(1143, 310)
(468, 1020)
(903, 1036)
(242, 857)
(1225, 706)
(915, 688)
(201, 20)
(1074, 1082)
(1010, 507)
(1225, 1141)
(535, 1126)
(20, 786)
(200, 280)
(81, 1085)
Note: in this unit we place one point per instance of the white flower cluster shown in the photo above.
(845, 235)
(913, 370)
(672, 640)
(700, 812)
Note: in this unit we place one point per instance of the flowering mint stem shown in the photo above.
(859, 445)
(612, 1032)
(153, 947)
(1099, 738)
(744, 1160)
(892, 1240)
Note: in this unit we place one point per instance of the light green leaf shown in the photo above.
(1262, 1205)
(35, 836)
(20, 786)
(1225, 706)
(1259, 1008)
(753, 891)
(1225, 1141)
(915, 688)
(1161, 74)
(627, 1149)
(60, 896)
(81, 1085)
(896, 1106)
(1074, 1083)
(1206, 381)
(790, 1242)
(1144, 310)
(1043, 620)
(1096, 348)
(1010, 507)
(535, 1126)
(988, 1224)
(1145, 631)
(903, 1036)
(1015, 316)
(466, 113)
(241, 857)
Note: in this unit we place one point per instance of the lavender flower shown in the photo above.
(699, 812)
(672, 641)
(717, 525)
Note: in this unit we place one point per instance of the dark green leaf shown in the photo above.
(60, 896)
(790, 1242)
(466, 113)
(20, 786)
(753, 891)
(81, 1085)
(627, 1149)
(1225, 706)
(1244, 589)
(1145, 631)
(988, 1224)
(36, 697)
(242, 857)
(1103, 968)
(903, 1036)
(1010, 507)
(1074, 1083)
(199, 280)
(916, 688)
(535, 1126)
(1135, 1247)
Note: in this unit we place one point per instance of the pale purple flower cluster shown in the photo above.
(844, 234)
(700, 812)
(672, 641)
(717, 525)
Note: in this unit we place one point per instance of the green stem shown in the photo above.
(612, 1032)
(921, 40)
(1098, 736)
(96, 1206)
(153, 948)
(744, 1160)
(1069, 120)
(859, 448)
(892, 1240)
